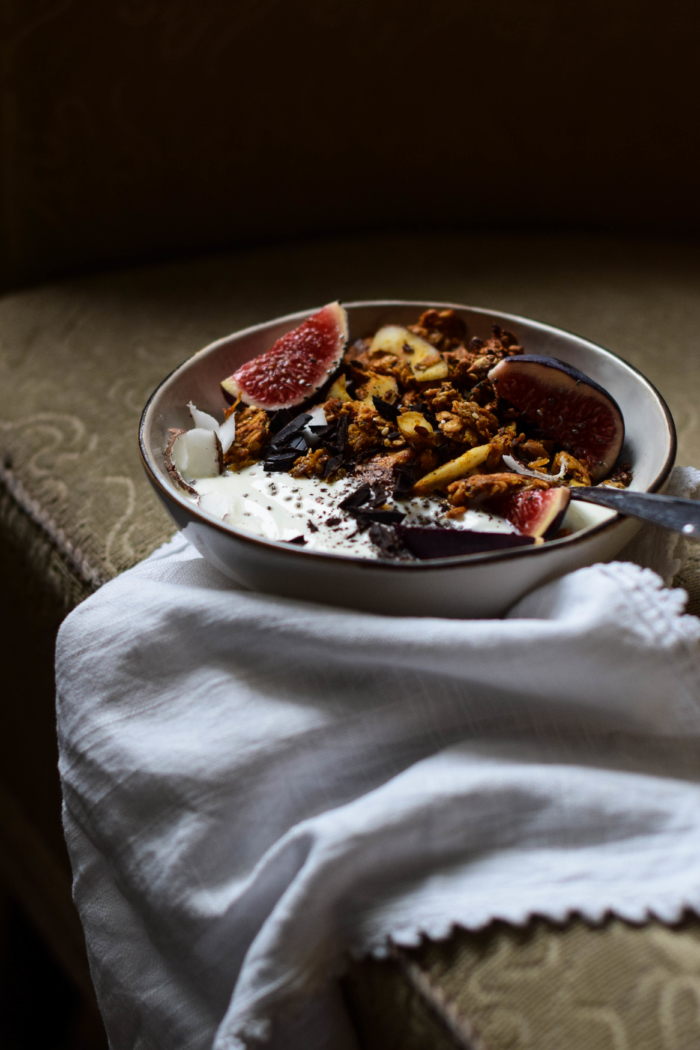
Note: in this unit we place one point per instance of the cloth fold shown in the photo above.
(254, 787)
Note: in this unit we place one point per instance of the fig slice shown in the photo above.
(425, 541)
(535, 512)
(296, 366)
(566, 405)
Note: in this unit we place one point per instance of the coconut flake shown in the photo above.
(202, 420)
(175, 455)
(318, 419)
(197, 454)
(520, 468)
(227, 432)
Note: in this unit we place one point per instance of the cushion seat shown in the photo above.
(78, 361)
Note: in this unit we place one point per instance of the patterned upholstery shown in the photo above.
(539, 988)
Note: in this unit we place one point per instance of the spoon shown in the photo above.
(681, 515)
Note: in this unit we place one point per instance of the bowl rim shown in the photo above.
(373, 564)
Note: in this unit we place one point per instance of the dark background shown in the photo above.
(138, 129)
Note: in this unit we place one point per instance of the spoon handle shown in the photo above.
(681, 515)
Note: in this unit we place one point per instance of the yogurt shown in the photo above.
(277, 506)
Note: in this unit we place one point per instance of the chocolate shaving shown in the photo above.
(341, 437)
(312, 527)
(386, 540)
(279, 419)
(299, 540)
(385, 410)
(331, 465)
(404, 480)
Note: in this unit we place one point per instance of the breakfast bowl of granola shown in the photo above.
(405, 458)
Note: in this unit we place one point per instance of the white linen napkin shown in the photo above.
(254, 786)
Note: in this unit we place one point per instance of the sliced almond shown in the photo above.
(414, 427)
(377, 385)
(452, 471)
(339, 389)
(425, 362)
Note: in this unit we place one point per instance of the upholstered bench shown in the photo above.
(78, 360)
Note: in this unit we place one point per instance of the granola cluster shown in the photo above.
(416, 414)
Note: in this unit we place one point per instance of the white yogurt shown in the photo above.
(280, 507)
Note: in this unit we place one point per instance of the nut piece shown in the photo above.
(339, 389)
(384, 387)
(426, 364)
(415, 427)
(452, 471)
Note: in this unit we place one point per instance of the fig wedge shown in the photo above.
(566, 405)
(535, 512)
(297, 365)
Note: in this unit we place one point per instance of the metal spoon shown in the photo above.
(681, 515)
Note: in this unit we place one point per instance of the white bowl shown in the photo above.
(475, 585)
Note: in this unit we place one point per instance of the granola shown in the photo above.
(409, 431)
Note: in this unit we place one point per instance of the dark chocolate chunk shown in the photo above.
(281, 461)
(298, 442)
(299, 540)
(385, 410)
(284, 436)
(360, 497)
(435, 542)
(312, 527)
(280, 419)
(333, 522)
(383, 517)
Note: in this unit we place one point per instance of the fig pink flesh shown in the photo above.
(564, 405)
(297, 365)
(536, 512)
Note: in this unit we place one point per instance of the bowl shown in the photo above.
(469, 586)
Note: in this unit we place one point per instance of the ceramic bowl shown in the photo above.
(476, 585)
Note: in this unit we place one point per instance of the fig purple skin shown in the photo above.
(430, 542)
(535, 512)
(566, 405)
